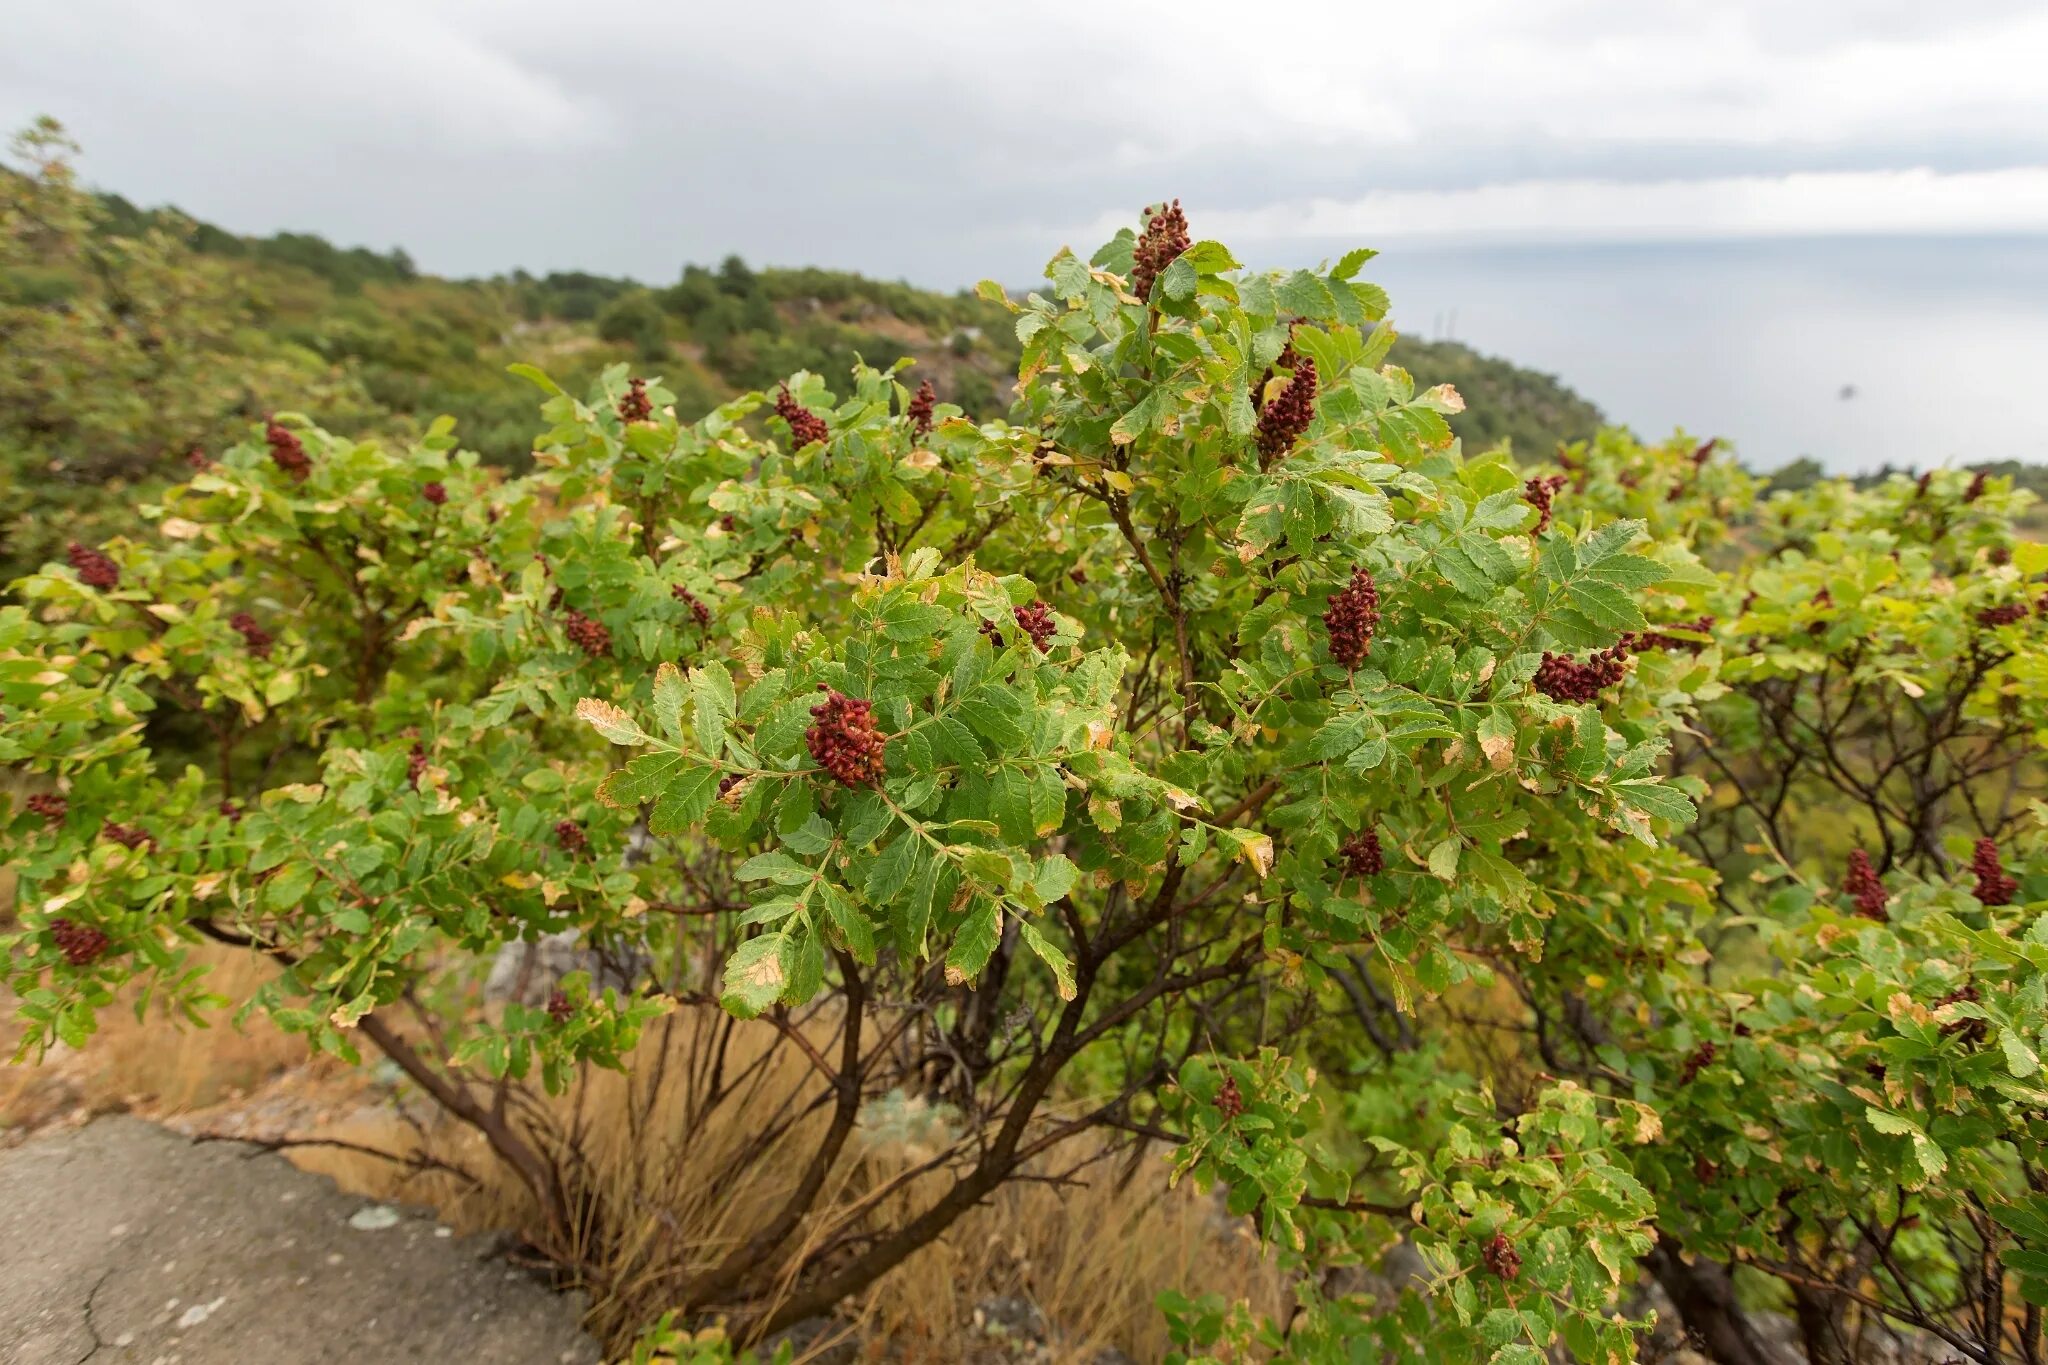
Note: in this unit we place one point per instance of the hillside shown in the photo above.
(134, 337)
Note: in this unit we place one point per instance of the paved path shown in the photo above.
(121, 1242)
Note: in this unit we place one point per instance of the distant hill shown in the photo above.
(719, 331)
(131, 338)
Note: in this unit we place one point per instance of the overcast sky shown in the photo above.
(949, 141)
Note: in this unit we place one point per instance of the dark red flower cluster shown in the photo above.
(1036, 621)
(845, 742)
(1352, 617)
(1976, 488)
(1651, 639)
(1993, 617)
(435, 492)
(571, 837)
(1229, 1099)
(559, 1008)
(1993, 886)
(1999, 556)
(231, 809)
(1362, 855)
(1539, 491)
(587, 635)
(1288, 416)
(728, 782)
(1159, 246)
(1705, 1171)
(1562, 678)
(1705, 451)
(920, 410)
(1864, 887)
(698, 611)
(1920, 484)
(196, 459)
(128, 836)
(636, 406)
(287, 452)
(1971, 1030)
(805, 426)
(415, 766)
(1696, 1061)
(1501, 1257)
(52, 807)
(95, 570)
(254, 636)
(995, 637)
(81, 944)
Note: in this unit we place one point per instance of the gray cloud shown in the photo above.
(942, 142)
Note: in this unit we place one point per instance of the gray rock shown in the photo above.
(527, 972)
(126, 1243)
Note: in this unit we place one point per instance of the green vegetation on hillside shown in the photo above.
(135, 336)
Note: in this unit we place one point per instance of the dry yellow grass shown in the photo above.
(680, 1184)
(672, 1181)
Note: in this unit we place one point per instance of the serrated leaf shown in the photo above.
(974, 942)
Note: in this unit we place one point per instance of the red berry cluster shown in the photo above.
(196, 458)
(636, 406)
(128, 836)
(254, 636)
(1229, 1099)
(995, 637)
(728, 782)
(920, 410)
(1999, 556)
(587, 635)
(1976, 488)
(52, 807)
(1993, 617)
(95, 570)
(1651, 639)
(1159, 246)
(1971, 1030)
(845, 742)
(1362, 855)
(81, 944)
(1036, 621)
(805, 426)
(1562, 678)
(1352, 617)
(700, 612)
(1288, 416)
(571, 837)
(1538, 492)
(1501, 1257)
(287, 452)
(1696, 1061)
(1993, 886)
(435, 492)
(415, 766)
(1864, 887)
(559, 1008)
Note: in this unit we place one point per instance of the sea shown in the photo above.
(1856, 352)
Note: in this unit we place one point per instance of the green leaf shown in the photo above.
(1048, 953)
(669, 693)
(1443, 859)
(755, 975)
(974, 942)
(776, 866)
(711, 689)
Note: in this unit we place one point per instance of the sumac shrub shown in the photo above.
(1169, 762)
